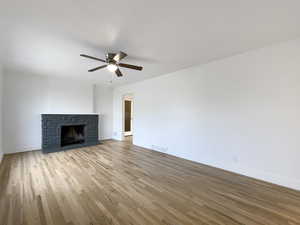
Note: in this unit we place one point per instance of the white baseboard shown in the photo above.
(273, 178)
(265, 176)
(20, 151)
(106, 139)
(115, 139)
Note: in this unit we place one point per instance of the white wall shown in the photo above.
(1, 97)
(26, 96)
(240, 113)
(103, 102)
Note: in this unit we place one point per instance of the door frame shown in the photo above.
(127, 97)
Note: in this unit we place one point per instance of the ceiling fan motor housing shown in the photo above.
(110, 58)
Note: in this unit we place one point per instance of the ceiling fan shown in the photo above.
(112, 61)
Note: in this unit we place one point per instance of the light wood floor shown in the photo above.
(118, 183)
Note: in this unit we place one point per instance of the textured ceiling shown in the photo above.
(46, 37)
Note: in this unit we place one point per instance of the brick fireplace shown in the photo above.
(67, 131)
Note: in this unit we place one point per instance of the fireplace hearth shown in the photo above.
(67, 131)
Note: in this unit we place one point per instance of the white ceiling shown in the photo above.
(46, 37)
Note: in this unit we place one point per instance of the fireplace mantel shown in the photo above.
(69, 113)
(52, 130)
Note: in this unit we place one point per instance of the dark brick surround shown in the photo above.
(51, 130)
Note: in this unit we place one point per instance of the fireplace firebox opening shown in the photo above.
(72, 134)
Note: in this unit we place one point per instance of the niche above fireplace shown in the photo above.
(68, 131)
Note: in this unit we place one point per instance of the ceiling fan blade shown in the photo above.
(118, 72)
(97, 68)
(119, 56)
(91, 57)
(130, 66)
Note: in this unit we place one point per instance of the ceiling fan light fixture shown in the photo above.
(112, 67)
(112, 62)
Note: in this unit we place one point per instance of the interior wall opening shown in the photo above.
(128, 117)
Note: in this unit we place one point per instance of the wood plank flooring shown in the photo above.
(117, 183)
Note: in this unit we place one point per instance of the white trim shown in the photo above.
(105, 139)
(24, 150)
(127, 97)
(69, 114)
(128, 133)
(268, 177)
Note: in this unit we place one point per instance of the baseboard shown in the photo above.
(277, 179)
(116, 139)
(20, 151)
(273, 178)
(37, 148)
(106, 139)
(268, 177)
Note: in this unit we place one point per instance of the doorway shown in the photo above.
(128, 117)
